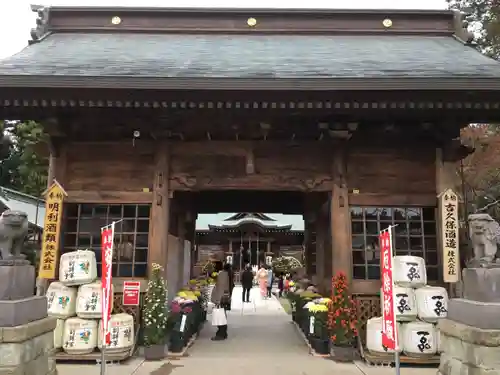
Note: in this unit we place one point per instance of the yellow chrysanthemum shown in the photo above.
(325, 301)
(182, 294)
(318, 308)
(197, 293)
(291, 283)
(193, 282)
(214, 274)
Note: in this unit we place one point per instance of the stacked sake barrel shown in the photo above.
(76, 300)
(418, 309)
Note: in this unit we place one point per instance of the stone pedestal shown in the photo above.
(17, 280)
(468, 350)
(26, 333)
(27, 349)
(470, 336)
(481, 284)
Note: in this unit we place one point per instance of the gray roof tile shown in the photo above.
(259, 56)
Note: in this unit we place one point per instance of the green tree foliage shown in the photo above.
(484, 21)
(21, 168)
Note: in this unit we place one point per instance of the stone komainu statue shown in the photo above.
(484, 233)
(13, 232)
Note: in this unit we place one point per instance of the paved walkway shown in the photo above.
(262, 340)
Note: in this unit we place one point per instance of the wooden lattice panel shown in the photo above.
(367, 307)
(118, 307)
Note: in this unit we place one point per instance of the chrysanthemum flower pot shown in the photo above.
(320, 345)
(342, 353)
(154, 352)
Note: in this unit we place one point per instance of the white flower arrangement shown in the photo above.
(155, 309)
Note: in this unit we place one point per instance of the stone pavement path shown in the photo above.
(262, 340)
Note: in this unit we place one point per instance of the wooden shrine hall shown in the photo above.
(249, 238)
(350, 118)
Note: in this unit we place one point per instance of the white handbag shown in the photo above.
(219, 317)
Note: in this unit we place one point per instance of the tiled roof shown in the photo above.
(249, 56)
(206, 220)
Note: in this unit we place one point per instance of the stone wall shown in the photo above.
(468, 350)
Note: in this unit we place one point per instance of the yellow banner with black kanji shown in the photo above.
(54, 199)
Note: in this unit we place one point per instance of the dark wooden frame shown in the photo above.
(94, 237)
(381, 223)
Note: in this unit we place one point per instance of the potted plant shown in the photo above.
(176, 338)
(302, 312)
(155, 315)
(319, 336)
(342, 320)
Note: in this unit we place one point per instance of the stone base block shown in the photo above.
(454, 366)
(22, 311)
(28, 349)
(481, 284)
(484, 315)
(16, 281)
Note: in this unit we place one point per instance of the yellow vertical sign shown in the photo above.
(54, 198)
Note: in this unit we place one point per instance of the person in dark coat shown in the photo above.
(219, 297)
(281, 284)
(246, 283)
(229, 269)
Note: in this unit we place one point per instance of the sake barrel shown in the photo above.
(406, 306)
(419, 339)
(80, 336)
(61, 300)
(374, 336)
(89, 301)
(59, 333)
(409, 271)
(432, 303)
(77, 268)
(121, 330)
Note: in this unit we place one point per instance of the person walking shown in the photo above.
(281, 284)
(262, 280)
(246, 283)
(270, 279)
(219, 297)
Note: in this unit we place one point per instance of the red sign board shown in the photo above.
(107, 239)
(389, 325)
(131, 293)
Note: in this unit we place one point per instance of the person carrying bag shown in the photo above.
(219, 297)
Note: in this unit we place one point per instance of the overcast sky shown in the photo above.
(18, 19)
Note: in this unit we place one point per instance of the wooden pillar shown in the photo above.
(320, 251)
(190, 236)
(57, 170)
(181, 217)
(340, 225)
(160, 209)
(447, 178)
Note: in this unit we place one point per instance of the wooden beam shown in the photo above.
(419, 200)
(240, 148)
(160, 209)
(339, 214)
(109, 197)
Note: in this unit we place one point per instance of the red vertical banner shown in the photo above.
(389, 325)
(107, 239)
